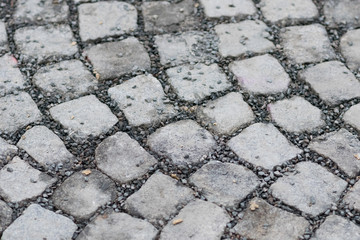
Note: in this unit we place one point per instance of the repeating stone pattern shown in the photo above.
(69, 79)
(353, 196)
(39, 223)
(107, 227)
(337, 228)
(122, 158)
(94, 20)
(113, 59)
(45, 42)
(332, 81)
(193, 83)
(228, 8)
(158, 198)
(84, 116)
(200, 220)
(6, 150)
(342, 12)
(352, 115)
(226, 114)
(226, 184)
(17, 111)
(19, 181)
(341, 147)
(296, 115)
(5, 216)
(269, 222)
(81, 195)
(142, 100)
(268, 146)
(236, 39)
(11, 78)
(311, 188)
(3, 37)
(184, 142)
(307, 44)
(350, 45)
(271, 79)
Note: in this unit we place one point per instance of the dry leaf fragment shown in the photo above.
(86, 172)
(174, 176)
(177, 221)
(73, 43)
(72, 117)
(357, 156)
(253, 206)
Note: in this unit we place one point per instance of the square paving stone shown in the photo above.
(199, 220)
(307, 44)
(46, 148)
(161, 16)
(263, 145)
(192, 46)
(350, 48)
(226, 184)
(352, 116)
(284, 11)
(41, 11)
(81, 195)
(184, 142)
(141, 100)
(122, 158)
(19, 181)
(248, 36)
(5, 216)
(17, 111)
(3, 37)
(269, 222)
(113, 59)
(45, 42)
(332, 81)
(342, 147)
(353, 197)
(296, 115)
(94, 20)
(270, 80)
(342, 12)
(69, 79)
(337, 228)
(158, 198)
(11, 78)
(311, 188)
(84, 116)
(37, 223)
(226, 114)
(193, 83)
(6, 150)
(228, 8)
(115, 225)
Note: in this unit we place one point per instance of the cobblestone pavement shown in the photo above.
(180, 119)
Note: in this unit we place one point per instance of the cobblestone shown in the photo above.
(5, 216)
(228, 8)
(352, 115)
(350, 48)
(3, 37)
(342, 12)
(10, 76)
(353, 197)
(6, 150)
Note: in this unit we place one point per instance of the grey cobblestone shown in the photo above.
(352, 116)
(10, 76)
(228, 8)
(6, 150)
(350, 48)
(342, 12)
(5, 216)
(3, 37)
(353, 196)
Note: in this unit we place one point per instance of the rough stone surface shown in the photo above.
(184, 142)
(268, 222)
(158, 198)
(5, 216)
(19, 181)
(226, 114)
(341, 147)
(307, 44)
(3, 37)
(6, 150)
(226, 184)
(192, 46)
(353, 196)
(194, 83)
(122, 158)
(40, 11)
(115, 225)
(228, 8)
(296, 115)
(311, 188)
(10, 75)
(69, 79)
(94, 20)
(45, 42)
(342, 12)
(46, 148)
(81, 195)
(332, 81)
(39, 223)
(350, 48)
(17, 111)
(352, 116)
(113, 59)
(270, 80)
(84, 116)
(141, 100)
(245, 37)
(268, 146)
(337, 228)
(284, 11)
